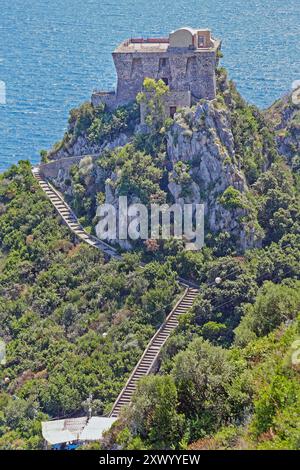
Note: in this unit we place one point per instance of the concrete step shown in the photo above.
(143, 369)
(67, 214)
(124, 401)
(131, 388)
(148, 356)
(147, 362)
(128, 392)
(140, 374)
(163, 334)
(127, 395)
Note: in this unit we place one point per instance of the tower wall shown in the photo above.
(186, 61)
(184, 71)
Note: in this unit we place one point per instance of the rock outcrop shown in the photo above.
(201, 164)
(202, 138)
(81, 146)
(284, 117)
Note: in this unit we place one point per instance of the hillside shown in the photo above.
(284, 118)
(73, 323)
(76, 324)
(212, 153)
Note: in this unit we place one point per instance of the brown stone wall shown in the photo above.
(178, 99)
(51, 170)
(186, 71)
(109, 99)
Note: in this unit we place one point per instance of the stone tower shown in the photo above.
(186, 61)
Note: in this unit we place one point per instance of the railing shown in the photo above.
(110, 251)
(145, 352)
(148, 41)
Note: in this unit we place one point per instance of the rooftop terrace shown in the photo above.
(144, 45)
(187, 38)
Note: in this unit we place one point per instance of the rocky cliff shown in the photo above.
(202, 138)
(212, 153)
(284, 118)
(92, 130)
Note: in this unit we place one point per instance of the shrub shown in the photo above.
(231, 198)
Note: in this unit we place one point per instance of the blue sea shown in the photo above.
(53, 53)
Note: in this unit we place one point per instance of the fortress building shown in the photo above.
(186, 61)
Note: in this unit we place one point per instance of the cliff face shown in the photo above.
(284, 117)
(211, 153)
(91, 130)
(81, 145)
(203, 138)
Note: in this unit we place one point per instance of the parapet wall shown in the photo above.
(58, 171)
(51, 170)
(107, 98)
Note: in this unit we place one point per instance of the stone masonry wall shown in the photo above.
(184, 69)
(52, 169)
(109, 99)
(178, 99)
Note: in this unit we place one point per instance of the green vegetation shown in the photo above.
(277, 202)
(155, 414)
(152, 99)
(96, 125)
(273, 305)
(58, 298)
(214, 391)
(284, 118)
(181, 176)
(231, 198)
(57, 301)
(75, 323)
(254, 143)
(105, 125)
(153, 140)
(138, 174)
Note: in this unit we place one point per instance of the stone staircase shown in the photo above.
(149, 359)
(70, 218)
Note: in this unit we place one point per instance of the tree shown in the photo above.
(152, 99)
(277, 204)
(154, 414)
(273, 305)
(212, 389)
(213, 331)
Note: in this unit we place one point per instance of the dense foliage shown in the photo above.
(75, 324)
(96, 125)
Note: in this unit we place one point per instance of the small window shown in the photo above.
(163, 62)
(172, 111)
(165, 80)
(201, 41)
